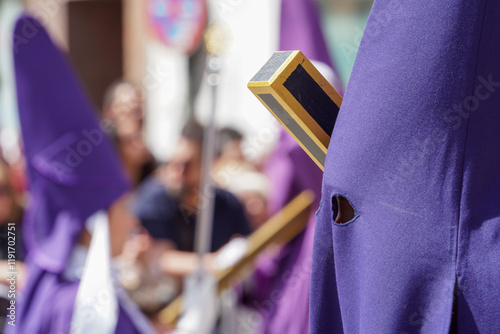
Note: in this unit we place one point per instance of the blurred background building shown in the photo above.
(157, 46)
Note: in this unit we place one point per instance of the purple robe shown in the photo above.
(416, 151)
(73, 172)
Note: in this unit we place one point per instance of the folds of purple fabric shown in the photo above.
(416, 151)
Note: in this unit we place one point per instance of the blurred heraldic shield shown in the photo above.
(178, 23)
(177, 27)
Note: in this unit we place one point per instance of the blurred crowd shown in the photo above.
(153, 227)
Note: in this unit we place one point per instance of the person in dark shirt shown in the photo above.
(166, 206)
(166, 219)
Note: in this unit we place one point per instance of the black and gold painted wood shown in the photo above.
(300, 98)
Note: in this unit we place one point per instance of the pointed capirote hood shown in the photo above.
(73, 169)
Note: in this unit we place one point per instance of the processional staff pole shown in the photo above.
(206, 194)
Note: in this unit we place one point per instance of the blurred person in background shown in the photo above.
(123, 109)
(229, 145)
(252, 189)
(167, 204)
(235, 174)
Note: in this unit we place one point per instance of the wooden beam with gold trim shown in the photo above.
(300, 98)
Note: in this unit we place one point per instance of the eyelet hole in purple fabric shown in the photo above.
(343, 211)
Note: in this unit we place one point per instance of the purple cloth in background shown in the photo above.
(421, 171)
(56, 313)
(282, 281)
(300, 29)
(73, 172)
(282, 296)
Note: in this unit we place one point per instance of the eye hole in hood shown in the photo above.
(343, 211)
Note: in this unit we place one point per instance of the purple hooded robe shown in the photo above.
(73, 172)
(416, 151)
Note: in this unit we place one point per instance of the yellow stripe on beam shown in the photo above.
(300, 98)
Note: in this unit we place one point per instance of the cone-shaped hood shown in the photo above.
(72, 168)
